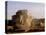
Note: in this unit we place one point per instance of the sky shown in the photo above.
(35, 9)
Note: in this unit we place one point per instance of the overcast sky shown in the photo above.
(36, 9)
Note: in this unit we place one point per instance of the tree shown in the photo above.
(23, 20)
